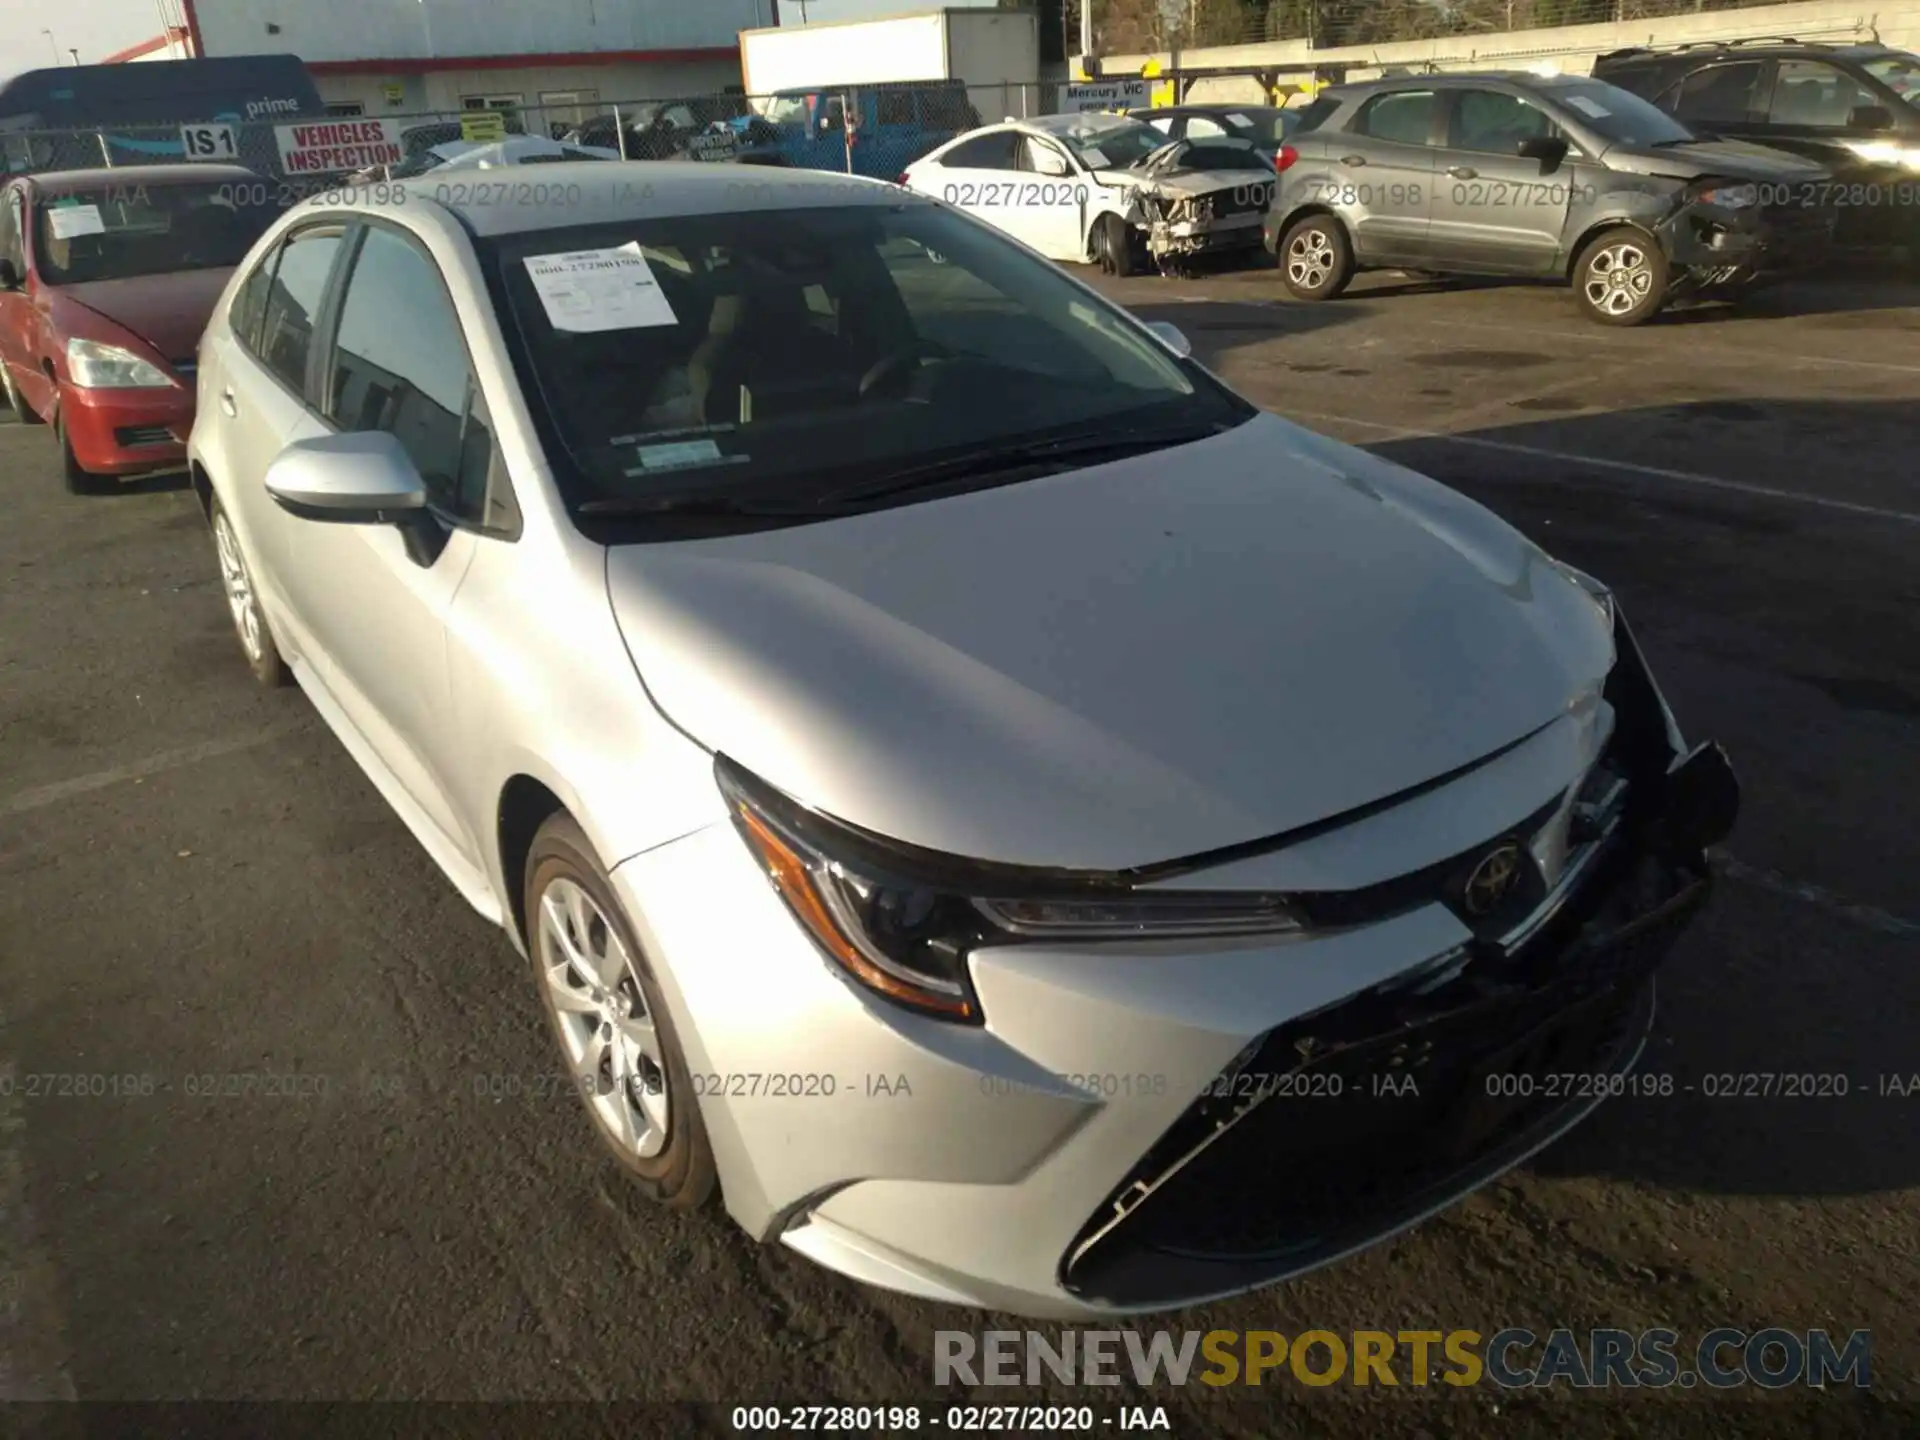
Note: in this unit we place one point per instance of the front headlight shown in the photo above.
(902, 922)
(1728, 194)
(93, 366)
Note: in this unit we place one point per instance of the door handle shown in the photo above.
(1463, 172)
(1353, 159)
(226, 401)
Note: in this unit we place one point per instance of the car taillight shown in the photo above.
(901, 179)
(1285, 158)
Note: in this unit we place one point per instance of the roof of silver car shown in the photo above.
(601, 192)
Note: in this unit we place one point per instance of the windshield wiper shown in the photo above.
(996, 459)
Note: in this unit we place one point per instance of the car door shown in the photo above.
(1379, 173)
(1493, 209)
(976, 175)
(394, 358)
(253, 400)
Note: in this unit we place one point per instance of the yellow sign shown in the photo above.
(395, 94)
(483, 126)
(1149, 70)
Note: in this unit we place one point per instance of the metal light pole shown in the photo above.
(54, 44)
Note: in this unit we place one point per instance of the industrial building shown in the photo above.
(561, 58)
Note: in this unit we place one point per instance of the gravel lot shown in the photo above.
(194, 879)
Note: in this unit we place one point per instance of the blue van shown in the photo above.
(891, 126)
(135, 111)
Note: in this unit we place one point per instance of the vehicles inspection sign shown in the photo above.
(1106, 95)
(329, 145)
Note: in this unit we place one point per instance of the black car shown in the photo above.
(696, 128)
(1854, 109)
(1265, 127)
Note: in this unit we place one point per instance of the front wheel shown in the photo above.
(615, 1035)
(1113, 245)
(1316, 258)
(1621, 278)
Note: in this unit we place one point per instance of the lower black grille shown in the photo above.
(130, 436)
(1345, 1125)
(1241, 200)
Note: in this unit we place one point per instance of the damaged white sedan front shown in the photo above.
(1105, 189)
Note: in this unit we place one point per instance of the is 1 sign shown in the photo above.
(209, 142)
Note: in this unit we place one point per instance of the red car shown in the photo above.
(107, 278)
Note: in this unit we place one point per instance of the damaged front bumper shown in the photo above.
(1754, 240)
(1366, 1117)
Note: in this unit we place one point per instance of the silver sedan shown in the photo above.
(1008, 818)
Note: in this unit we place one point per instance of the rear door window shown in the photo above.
(1720, 94)
(1405, 117)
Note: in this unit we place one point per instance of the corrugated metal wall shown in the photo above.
(426, 29)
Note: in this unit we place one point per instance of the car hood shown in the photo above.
(1124, 664)
(1735, 159)
(169, 311)
(1183, 182)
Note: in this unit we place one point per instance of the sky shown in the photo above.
(96, 28)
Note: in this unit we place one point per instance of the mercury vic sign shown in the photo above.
(1106, 95)
(332, 145)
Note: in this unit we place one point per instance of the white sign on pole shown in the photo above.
(1106, 95)
(209, 142)
(322, 147)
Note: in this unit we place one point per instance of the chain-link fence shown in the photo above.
(1127, 27)
(875, 131)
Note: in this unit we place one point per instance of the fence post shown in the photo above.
(620, 132)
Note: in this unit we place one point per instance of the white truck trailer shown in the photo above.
(995, 52)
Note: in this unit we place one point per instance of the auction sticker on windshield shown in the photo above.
(1589, 107)
(71, 220)
(1096, 158)
(588, 291)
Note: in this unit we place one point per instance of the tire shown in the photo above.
(1316, 258)
(1621, 277)
(1113, 246)
(573, 918)
(250, 625)
(79, 481)
(22, 411)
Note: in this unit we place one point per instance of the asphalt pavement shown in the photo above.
(197, 882)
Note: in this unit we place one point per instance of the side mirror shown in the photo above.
(358, 479)
(1050, 163)
(1172, 337)
(1547, 149)
(1870, 117)
(10, 278)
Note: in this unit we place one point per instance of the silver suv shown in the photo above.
(1558, 177)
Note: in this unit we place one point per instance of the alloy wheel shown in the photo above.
(611, 1041)
(1310, 259)
(1619, 279)
(239, 587)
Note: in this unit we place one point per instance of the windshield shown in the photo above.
(1900, 72)
(1618, 115)
(419, 165)
(787, 110)
(1106, 144)
(121, 231)
(785, 354)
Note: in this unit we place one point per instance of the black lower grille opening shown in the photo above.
(1347, 1124)
(129, 436)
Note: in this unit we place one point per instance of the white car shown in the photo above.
(1105, 188)
(491, 154)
